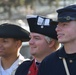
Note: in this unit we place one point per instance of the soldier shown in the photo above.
(43, 41)
(11, 38)
(63, 61)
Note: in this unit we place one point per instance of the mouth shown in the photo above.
(33, 48)
(60, 35)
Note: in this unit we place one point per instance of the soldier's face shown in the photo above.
(8, 47)
(38, 45)
(66, 31)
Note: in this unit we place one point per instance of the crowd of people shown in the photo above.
(45, 38)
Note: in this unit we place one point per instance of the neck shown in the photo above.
(7, 62)
(40, 58)
(37, 59)
(70, 48)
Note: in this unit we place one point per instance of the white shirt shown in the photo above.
(12, 69)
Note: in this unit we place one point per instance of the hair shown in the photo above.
(57, 44)
(48, 39)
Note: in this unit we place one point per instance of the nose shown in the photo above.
(58, 28)
(31, 41)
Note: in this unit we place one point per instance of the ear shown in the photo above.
(51, 43)
(18, 43)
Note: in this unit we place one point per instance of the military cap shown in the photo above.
(42, 25)
(13, 31)
(67, 13)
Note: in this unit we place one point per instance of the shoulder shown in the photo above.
(50, 62)
(23, 67)
(25, 63)
(53, 56)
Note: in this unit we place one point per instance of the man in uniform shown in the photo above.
(11, 38)
(63, 61)
(43, 41)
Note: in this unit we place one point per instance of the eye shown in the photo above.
(64, 24)
(5, 40)
(37, 38)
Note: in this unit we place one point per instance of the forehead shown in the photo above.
(68, 22)
(6, 38)
(62, 22)
(36, 34)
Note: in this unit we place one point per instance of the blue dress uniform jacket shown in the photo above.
(24, 68)
(53, 64)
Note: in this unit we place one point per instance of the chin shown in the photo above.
(33, 53)
(60, 40)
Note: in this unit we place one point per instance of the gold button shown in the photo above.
(70, 61)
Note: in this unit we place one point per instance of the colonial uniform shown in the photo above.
(13, 31)
(41, 25)
(60, 63)
(27, 68)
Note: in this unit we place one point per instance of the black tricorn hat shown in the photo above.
(42, 25)
(8, 30)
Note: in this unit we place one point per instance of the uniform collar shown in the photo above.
(63, 54)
